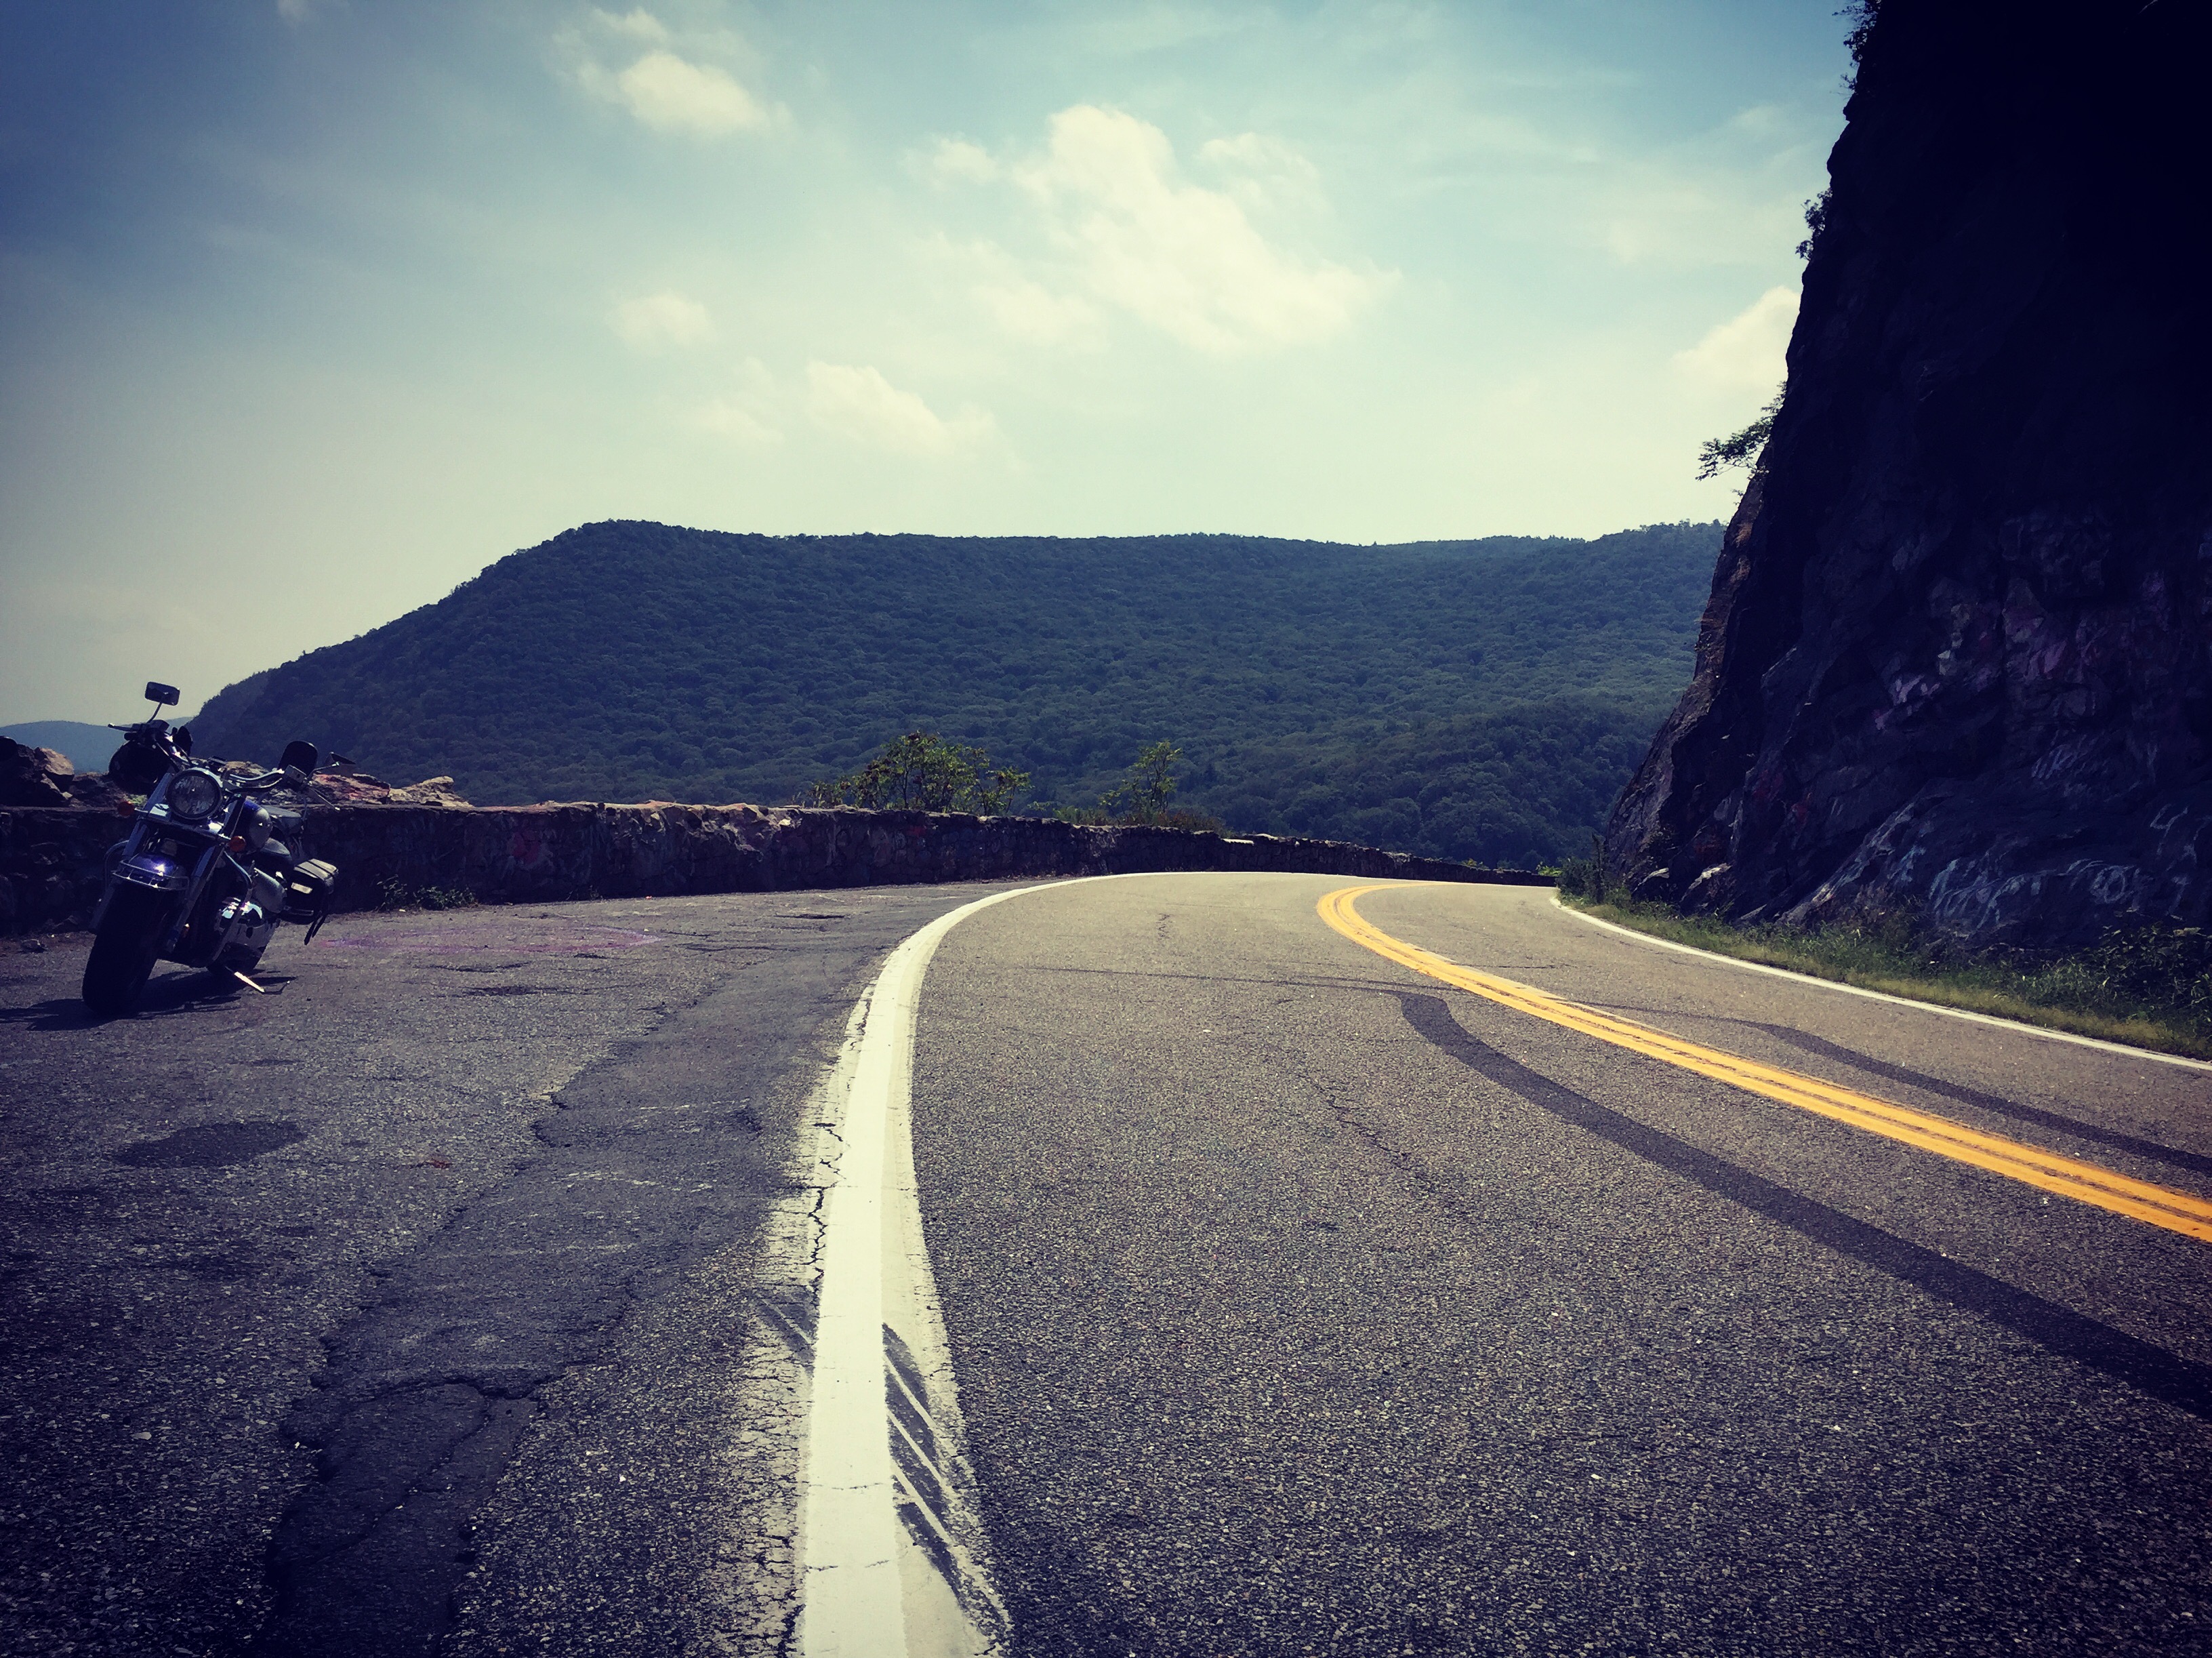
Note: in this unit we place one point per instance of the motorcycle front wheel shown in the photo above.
(123, 950)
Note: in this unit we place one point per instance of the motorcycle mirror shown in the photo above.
(159, 694)
(300, 757)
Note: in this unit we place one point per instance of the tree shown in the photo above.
(1142, 796)
(1743, 448)
(922, 771)
(1151, 782)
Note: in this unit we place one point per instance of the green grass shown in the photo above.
(2149, 987)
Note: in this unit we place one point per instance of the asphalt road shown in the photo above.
(1301, 1304)
(455, 1299)
(413, 1307)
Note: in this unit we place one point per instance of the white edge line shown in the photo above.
(850, 1531)
(2013, 1025)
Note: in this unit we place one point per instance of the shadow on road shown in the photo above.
(2152, 1369)
(173, 993)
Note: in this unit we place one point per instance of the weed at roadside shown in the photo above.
(2149, 987)
(396, 894)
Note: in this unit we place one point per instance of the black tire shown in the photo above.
(123, 950)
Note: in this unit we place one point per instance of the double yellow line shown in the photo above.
(2177, 1211)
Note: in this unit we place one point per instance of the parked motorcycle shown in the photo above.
(203, 877)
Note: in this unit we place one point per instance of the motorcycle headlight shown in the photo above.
(194, 794)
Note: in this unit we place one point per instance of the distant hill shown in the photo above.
(1481, 699)
(88, 747)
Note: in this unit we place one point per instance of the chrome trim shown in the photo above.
(155, 873)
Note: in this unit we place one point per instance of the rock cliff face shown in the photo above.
(1956, 657)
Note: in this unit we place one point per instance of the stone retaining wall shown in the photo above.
(52, 858)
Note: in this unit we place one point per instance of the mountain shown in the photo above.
(85, 746)
(1481, 699)
(1956, 662)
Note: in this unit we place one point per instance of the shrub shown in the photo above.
(1142, 798)
(1585, 878)
(922, 771)
(1578, 879)
(396, 894)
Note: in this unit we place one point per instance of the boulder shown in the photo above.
(33, 777)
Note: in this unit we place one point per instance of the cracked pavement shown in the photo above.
(459, 1300)
(451, 1299)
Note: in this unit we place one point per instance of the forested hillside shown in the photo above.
(1481, 699)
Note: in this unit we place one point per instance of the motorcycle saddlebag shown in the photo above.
(308, 894)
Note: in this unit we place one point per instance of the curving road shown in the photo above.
(461, 1298)
(1301, 1302)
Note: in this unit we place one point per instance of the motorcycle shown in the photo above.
(203, 878)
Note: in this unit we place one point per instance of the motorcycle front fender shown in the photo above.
(128, 863)
(117, 881)
(187, 939)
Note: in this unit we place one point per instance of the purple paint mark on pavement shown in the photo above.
(553, 938)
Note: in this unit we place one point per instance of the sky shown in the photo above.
(312, 309)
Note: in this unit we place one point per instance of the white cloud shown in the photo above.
(1022, 307)
(674, 86)
(955, 161)
(859, 403)
(1747, 352)
(1262, 172)
(748, 417)
(1761, 121)
(1029, 310)
(638, 24)
(671, 95)
(663, 320)
(295, 11)
(729, 417)
(1184, 258)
